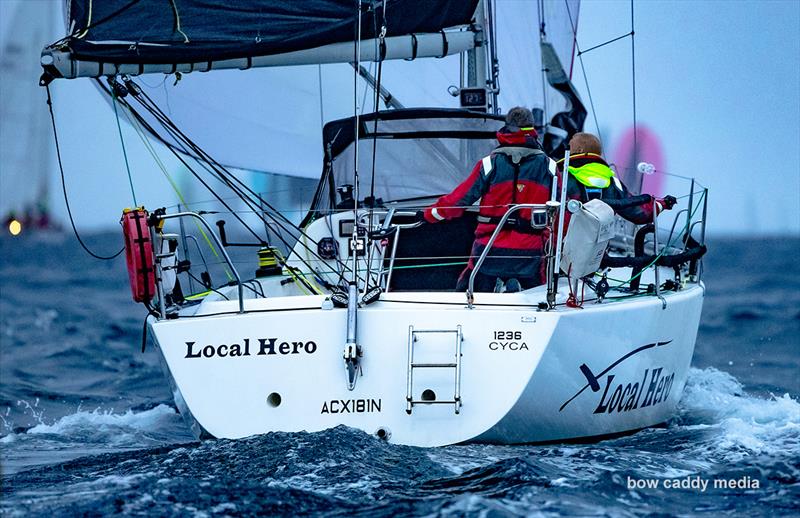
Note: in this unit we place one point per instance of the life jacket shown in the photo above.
(517, 171)
(515, 174)
(593, 179)
(593, 175)
(514, 164)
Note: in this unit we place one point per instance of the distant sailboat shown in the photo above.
(25, 147)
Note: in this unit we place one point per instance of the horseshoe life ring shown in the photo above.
(138, 254)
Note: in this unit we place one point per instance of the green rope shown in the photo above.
(632, 295)
(428, 265)
(122, 140)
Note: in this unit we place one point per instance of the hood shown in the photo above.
(513, 136)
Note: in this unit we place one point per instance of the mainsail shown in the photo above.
(270, 119)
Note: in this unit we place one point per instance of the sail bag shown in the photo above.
(590, 229)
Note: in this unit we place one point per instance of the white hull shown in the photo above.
(531, 389)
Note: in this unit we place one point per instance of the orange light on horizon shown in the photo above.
(15, 227)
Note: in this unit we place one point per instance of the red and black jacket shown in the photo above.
(517, 171)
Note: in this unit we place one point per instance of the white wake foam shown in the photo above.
(89, 433)
(747, 424)
(104, 419)
(106, 426)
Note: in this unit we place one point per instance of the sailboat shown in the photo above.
(350, 317)
(25, 149)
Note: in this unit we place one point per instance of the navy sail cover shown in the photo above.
(169, 31)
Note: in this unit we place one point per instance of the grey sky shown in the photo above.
(719, 82)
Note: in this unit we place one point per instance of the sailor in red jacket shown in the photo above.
(590, 178)
(517, 171)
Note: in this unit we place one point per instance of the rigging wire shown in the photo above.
(542, 34)
(633, 71)
(612, 40)
(583, 69)
(379, 45)
(122, 142)
(136, 126)
(221, 174)
(357, 123)
(234, 213)
(378, 42)
(321, 104)
(177, 136)
(215, 169)
(633, 79)
(64, 187)
(207, 186)
(493, 72)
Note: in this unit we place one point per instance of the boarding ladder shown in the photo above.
(413, 337)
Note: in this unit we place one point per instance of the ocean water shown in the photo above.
(88, 426)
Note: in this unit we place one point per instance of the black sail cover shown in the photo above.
(169, 31)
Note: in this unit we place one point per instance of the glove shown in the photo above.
(669, 202)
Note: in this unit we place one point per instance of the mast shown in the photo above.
(479, 56)
(476, 56)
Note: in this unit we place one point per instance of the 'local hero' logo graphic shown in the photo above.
(618, 396)
(264, 347)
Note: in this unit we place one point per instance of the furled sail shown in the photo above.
(147, 36)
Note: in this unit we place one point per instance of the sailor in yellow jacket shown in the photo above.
(591, 178)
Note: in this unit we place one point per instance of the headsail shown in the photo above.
(521, 26)
(535, 44)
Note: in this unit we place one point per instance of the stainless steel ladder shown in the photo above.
(456, 366)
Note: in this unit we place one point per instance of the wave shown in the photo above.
(105, 426)
(720, 432)
(91, 433)
(744, 424)
(99, 419)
